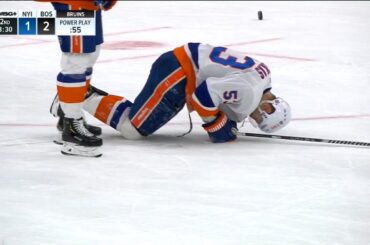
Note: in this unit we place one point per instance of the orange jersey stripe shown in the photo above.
(71, 94)
(76, 44)
(165, 85)
(201, 111)
(86, 4)
(221, 121)
(88, 81)
(187, 66)
(75, 40)
(83, 4)
(105, 107)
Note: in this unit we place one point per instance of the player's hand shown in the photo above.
(221, 129)
(105, 4)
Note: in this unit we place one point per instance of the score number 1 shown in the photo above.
(27, 26)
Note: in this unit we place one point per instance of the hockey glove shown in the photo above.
(221, 129)
(105, 4)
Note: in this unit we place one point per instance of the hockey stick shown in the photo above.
(272, 136)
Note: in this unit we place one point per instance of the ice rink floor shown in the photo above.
(167, 190)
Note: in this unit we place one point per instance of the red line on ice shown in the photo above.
(330, 117)
(134, 31)
(256, 41)
(232, 44)
(281, 56)
(39, 41)
(294, 119)
(128, 58)
(24, 44)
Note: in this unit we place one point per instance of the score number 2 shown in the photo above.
(47, 24)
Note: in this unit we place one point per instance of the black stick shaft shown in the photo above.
(272, 136)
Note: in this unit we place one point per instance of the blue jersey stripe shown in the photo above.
(118, 113)
(60, 6)
(203, 96)
(89, 71)
(71, 78)
(193, 47)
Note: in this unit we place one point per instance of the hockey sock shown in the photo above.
(88, 74)
(71, 91)
(109, 109)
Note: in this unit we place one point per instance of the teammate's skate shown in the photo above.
(78, 141)
(57, 111)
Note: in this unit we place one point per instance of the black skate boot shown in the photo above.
(57, 111)
(91, 128)
(94, 90)
(78, 140)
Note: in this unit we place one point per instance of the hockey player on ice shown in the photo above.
(223, 86)
(79, 54)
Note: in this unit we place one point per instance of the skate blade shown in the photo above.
(83, 151)
(58, 139)
(54, 106)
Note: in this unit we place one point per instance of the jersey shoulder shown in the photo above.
(87, 4)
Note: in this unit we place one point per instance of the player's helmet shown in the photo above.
(277, 119)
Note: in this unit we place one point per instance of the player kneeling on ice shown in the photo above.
(222, 85)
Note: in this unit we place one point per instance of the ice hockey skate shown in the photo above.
(78, 141)
(57, 111)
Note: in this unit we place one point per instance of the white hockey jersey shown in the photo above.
(222, 79)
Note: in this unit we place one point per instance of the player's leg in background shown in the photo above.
(93, 43)
(78, 58)
(162, 97)
(72, 89)
(72, 82)
(56, 109)
(77, 45)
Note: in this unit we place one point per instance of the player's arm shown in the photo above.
(105, 4)
(206, 100)
(86, 4)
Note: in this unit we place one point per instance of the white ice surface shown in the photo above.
(167, 190)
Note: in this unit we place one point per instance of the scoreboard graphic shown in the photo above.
(47, 22)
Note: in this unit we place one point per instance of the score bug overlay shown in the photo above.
(8, 22)
(27, 23)
(47, 22)
(75, 23)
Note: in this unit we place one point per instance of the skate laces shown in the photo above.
(78, 124)
(84, 119)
